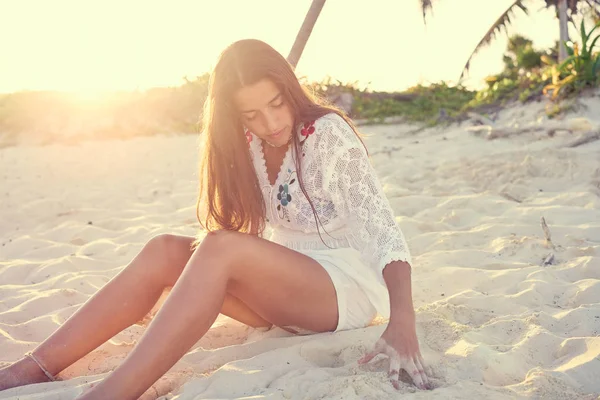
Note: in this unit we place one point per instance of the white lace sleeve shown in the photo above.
(354, 185)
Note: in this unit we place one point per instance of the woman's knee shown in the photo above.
(222, 245)
(219, 241)
(168, 254)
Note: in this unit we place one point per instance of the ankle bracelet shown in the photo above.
(48, 374)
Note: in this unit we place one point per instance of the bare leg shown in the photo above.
(126, 299)
(283, 286)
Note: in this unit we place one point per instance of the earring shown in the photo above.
(248, 136)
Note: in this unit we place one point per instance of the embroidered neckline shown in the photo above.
(263, 164)
(304, 131)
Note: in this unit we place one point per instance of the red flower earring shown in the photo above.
(248, 136)
(308, 129)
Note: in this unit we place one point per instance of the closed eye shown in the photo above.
(250, 117)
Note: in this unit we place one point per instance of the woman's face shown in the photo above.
(265, 112)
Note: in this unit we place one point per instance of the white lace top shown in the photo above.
(345, 191)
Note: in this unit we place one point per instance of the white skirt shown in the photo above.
(360, 294)
(354, 307)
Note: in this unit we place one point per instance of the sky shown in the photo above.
(91, 46)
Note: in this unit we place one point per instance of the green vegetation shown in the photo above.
(581, 8)
(46, 116)
(528, 75)
(427, 104)
(580, 70)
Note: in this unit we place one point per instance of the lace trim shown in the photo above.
(395, 256)
(263, 164)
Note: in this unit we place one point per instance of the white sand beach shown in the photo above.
(502, 313)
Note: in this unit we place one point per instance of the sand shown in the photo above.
(494, 319)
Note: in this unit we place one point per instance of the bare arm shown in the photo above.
(399, 341)
(397, 276)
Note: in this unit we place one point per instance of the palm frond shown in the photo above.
(573, 5)
(577, 7)
(498, 26)
(594, 8)
(592, 4)
(426, 7)
(582, 8)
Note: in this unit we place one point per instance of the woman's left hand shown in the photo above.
(399, 342)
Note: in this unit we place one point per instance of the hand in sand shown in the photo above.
(400, 344)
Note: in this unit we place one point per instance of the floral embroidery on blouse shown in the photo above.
(284, 197)
(307, 129)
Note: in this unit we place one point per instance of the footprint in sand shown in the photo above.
(78, 242)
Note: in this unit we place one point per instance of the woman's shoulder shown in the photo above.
(332, 120)
(331, 130)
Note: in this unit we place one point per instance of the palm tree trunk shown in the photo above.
(305, 30)
(564, 29)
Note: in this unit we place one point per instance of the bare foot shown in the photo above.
(21, 373)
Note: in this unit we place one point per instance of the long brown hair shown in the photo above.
(230, 197)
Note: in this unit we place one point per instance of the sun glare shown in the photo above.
(112, 45)
(89, 96)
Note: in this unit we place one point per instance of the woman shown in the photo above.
(276, 164)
